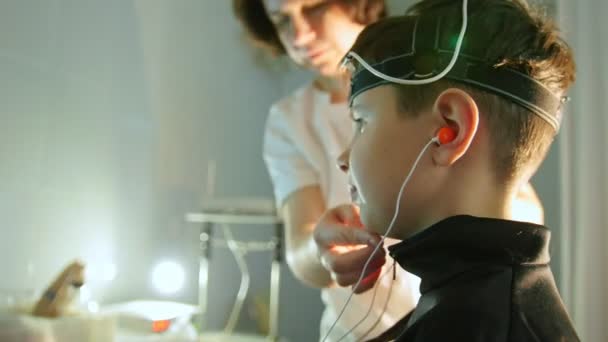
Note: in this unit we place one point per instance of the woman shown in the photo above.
(305, 133)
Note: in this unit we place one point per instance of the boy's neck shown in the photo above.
(472, 186)
(478, 195)
(481, 198)
(491, 202)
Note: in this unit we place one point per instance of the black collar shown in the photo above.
(461, 243)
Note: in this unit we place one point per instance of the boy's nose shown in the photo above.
(342, 161)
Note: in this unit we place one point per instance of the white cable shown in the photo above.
(390, 227)
(369, 310)
(427, 80)
(388, 298)
(245, 279)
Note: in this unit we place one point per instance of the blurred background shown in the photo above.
(112, 111)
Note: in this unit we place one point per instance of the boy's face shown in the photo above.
(383, 150)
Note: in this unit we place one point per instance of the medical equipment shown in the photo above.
(226, 213)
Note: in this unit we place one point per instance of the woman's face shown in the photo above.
(315, 33)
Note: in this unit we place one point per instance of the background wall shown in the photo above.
(111, 112)
(584, 170)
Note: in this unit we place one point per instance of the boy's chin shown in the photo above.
(375, 224)
(380, 225)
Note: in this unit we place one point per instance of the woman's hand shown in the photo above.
(345, 246)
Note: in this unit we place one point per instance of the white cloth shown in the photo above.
(305, 133)
(82, 328)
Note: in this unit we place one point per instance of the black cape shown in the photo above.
(481, 280)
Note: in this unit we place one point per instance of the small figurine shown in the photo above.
(57, 298)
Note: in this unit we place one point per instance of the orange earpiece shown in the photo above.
(445, 135)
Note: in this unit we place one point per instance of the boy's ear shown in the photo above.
(456, 109)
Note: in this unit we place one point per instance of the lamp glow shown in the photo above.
(168, 277)
(109, 272)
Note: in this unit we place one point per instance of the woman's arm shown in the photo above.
(301, 212)
(325, 248)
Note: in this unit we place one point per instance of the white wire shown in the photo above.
(390, 227)
(379, 74)
(369, 310)
(388, 297)
(245, 279)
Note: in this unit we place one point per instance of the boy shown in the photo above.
(484, 277)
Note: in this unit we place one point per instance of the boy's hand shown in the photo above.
(344, 247)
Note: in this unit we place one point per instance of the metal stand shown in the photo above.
(208, 220)
(275, 273)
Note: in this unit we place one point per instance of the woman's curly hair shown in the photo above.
(261, 30)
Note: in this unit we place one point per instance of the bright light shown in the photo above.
(93, 307)
(168, 277)
(109, 272)
(343, 249)
(85, 293)
(527, 211)
(85, 299)
(100, 272)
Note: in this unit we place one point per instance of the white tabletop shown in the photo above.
(231, 218)
(236, 211)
